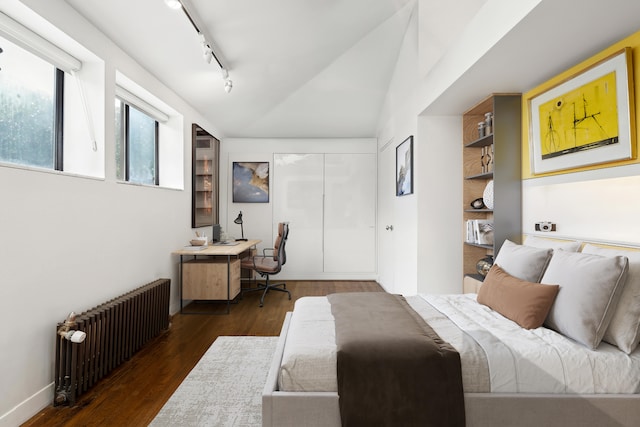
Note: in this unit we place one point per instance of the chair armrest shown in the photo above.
(264, 255)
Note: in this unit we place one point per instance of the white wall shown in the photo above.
(427, 226)
(259, 222)
(597, 205)
(440, 205)
(600, 205)
(431, 259)
(397, 252)
(68, 242)
(423, 253)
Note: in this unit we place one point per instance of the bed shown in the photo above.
(551, 375)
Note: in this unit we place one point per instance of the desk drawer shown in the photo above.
(206, 279)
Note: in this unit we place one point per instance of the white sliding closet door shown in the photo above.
(350, 213)
(297, 198)
(330, 202)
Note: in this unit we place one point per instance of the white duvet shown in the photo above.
(496, 354)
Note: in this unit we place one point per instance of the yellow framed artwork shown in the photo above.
(585, 120)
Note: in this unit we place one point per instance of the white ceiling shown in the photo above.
(322, 68)
(299, 67)
(555, 36)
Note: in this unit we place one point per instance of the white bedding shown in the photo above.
(518, 360)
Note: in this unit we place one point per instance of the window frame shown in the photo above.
(57, 143)
(63, 64)
(126, 137)
(58, 114)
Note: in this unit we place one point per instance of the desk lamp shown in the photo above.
(238, 220)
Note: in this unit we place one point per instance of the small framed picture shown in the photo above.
(250, 182)
(404, 167)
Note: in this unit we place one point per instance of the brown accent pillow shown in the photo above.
(525, 303)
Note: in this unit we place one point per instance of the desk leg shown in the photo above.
(180, 282)
(228, 283)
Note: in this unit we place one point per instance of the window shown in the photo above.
(155, 132)
(136, 145)
(31, 107)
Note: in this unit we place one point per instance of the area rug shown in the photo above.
(224, 388)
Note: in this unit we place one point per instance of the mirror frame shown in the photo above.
(205, 179)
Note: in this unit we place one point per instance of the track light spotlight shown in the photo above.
(228, 84)
(173, 4)
(207, 54)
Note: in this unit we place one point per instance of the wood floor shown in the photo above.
(135, 392)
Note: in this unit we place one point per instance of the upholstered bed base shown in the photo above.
(283, 409)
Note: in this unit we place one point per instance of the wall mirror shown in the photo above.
(205, 170)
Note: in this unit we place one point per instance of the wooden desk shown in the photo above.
(205, 272)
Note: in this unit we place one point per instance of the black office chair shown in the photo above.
(267, 265)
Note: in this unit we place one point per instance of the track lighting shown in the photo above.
(228, 84)
(173, 4)
(208, 53)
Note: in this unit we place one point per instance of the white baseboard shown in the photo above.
(28, 408)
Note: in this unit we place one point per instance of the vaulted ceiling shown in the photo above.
(322, 68)
(299, 67)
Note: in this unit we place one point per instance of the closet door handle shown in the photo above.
(389, 227)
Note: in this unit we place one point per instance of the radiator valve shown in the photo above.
(65, 330)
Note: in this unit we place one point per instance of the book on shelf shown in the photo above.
(479, 231)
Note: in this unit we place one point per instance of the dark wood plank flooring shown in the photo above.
(135, 392)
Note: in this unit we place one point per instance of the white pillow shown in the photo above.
(524, 262)
(540, 242)
(590, 287)
(624, 329)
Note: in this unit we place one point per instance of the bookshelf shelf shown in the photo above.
(204, 186)
(503, 147)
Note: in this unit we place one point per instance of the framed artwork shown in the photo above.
(251, 182)
(404, 167)
(585, 120)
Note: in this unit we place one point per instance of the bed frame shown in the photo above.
(320, 409)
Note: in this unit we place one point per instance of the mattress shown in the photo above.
(496, 354)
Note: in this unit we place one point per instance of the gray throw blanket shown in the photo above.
(393, 369)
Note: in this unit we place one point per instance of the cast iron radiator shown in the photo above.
(114, 331)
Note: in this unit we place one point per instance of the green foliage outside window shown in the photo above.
(27, 129)
(136, 145)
